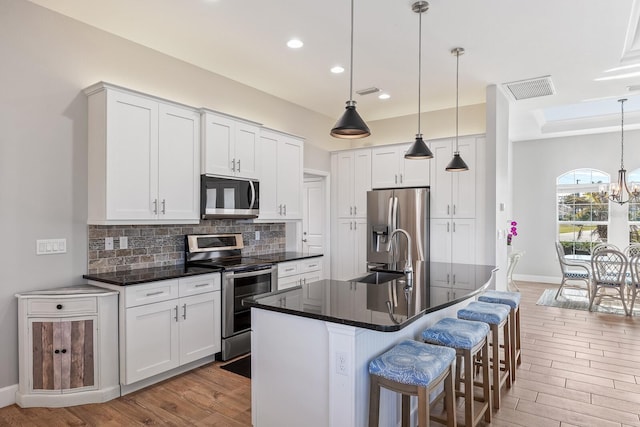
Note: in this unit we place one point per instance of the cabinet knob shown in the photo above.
(59, 306)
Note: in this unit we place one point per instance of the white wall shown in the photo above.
(47, 59)
(536, 165)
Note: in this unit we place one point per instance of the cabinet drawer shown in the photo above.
(199, 284)
(65, 306)
(286, 269)
(313, 264)
(164, 290)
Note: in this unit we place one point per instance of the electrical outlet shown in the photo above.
(124, 242)
(342, 365)
(257, 235)
(108, 243)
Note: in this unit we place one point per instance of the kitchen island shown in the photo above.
(311, 344)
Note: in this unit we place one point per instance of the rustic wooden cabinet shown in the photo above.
(68, 341)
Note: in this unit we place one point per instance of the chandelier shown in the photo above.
(615, 189)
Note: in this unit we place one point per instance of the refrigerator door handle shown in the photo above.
(395, 213)
(390, 215)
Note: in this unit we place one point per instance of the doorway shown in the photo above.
(315, 215)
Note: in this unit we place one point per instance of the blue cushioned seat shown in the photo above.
(456, 333)
(485, 312)
(512, 299)
(412, 362)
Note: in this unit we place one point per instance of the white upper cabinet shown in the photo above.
(281, 178)
(453, 194)
(230, 146)
(143, 159)
(353, 174)
(391, 170)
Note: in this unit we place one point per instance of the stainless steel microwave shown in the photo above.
(226, 197)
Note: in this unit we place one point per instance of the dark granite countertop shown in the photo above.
(278, 257)
(383, 307)
(144, 275)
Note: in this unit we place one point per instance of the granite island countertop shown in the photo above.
(383, 307)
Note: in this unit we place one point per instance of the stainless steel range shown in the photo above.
(241, 277)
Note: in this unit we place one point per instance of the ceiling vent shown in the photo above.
(530, 88)
(367, 91)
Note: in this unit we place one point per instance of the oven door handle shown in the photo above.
(256, 272)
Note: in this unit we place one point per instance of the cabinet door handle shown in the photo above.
(454, 209)
(164, 206)
(350, 225)
(150, 294)
(447, 278)
(448, 210)
(396, 178)
(285, 210)
(176, 316)
(312, 265)
(289, 269)
(184, 311)
(238, 165)
(454, 279)
(155, 206)
(200, 285)
(233, 165)
(279, 209)
(447, 227)
(400, 178)
(355, 225)
(350, 210)
(454, 227)
(355, 210)
(448, 295)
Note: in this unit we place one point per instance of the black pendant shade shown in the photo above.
(418, 150)
(457, 164)
(350, 125)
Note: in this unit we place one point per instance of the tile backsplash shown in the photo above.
(163, 245)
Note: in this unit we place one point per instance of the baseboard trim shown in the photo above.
(534, 278)
(8, 395)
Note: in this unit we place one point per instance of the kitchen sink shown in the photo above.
(379, 277)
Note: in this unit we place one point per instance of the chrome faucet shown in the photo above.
(408, 266)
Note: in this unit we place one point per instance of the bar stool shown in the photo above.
(512, 299)
(468, 339)
(413, 368)
(496, 316)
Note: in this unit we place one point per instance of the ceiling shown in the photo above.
(573, 41)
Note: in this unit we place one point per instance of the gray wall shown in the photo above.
(536, 165)
(47, 59)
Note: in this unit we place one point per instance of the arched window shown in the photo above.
(634, 210)
(583, 212)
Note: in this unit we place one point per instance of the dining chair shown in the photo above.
(609, 272)
(634, 268)
(631, 250)
(602, 246)
(572, 272)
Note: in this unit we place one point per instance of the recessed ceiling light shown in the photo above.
(295, 44)
(337, 69)
(384, 96)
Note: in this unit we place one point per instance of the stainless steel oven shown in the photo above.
(242, 277)
(236, 319)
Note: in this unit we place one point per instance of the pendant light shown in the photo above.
(419, 150)
(616, 189)
(350, 125)
(457, 164)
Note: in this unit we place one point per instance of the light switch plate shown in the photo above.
(51, 246)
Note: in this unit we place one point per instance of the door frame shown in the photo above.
(324, 178)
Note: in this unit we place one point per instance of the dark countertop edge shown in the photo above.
(194, 271)
(249, 302)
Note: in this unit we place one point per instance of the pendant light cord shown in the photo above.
(351, 65)
(457, 84)
(622, 134)
(419, 68)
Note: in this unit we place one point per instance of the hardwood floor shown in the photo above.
(578, 369)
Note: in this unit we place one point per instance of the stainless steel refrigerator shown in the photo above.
(389, 209)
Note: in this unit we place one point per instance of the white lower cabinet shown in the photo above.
(299, 272)
(67, 347)
(167, 324)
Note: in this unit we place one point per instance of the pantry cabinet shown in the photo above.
(143, 161)
(351, 248)
(230, 146)
(281, 178)
(67, 347)
(389, 168)
(353, 173)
